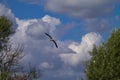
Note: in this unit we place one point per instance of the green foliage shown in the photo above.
(5, 30)
(4, 75)
(105, 61)
(5, 27)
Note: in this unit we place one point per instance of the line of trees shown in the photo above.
(10, 67)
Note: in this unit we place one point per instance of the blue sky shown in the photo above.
(75, 24)
(28, 9)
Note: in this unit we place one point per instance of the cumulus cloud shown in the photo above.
(38, 50)
(81, 49)
(4, 11)
(31, 33)
(53, 22)
(36, 28)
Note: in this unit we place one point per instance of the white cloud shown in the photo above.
(31, 33)
(81, 49)
(80, 8)
(4, 11)
(36, 28)
(52, 21)
(46, 65)
(41, 52)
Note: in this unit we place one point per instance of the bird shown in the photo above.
(51, 39)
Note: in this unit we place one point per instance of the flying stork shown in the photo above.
(51, 39)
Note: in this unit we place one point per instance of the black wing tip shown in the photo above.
(46, 33)
(56, 46)
(55, 43)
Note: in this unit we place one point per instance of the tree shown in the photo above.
(105, 60)
(5, 31)
(10, 56)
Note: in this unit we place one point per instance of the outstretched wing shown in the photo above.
(52, 39)
(55, 43)
(48, 35)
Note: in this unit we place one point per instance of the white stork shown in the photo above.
(51, 39)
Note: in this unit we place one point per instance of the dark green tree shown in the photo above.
(5, 27)
(5, 31)
(10, 68)
(105, 60)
